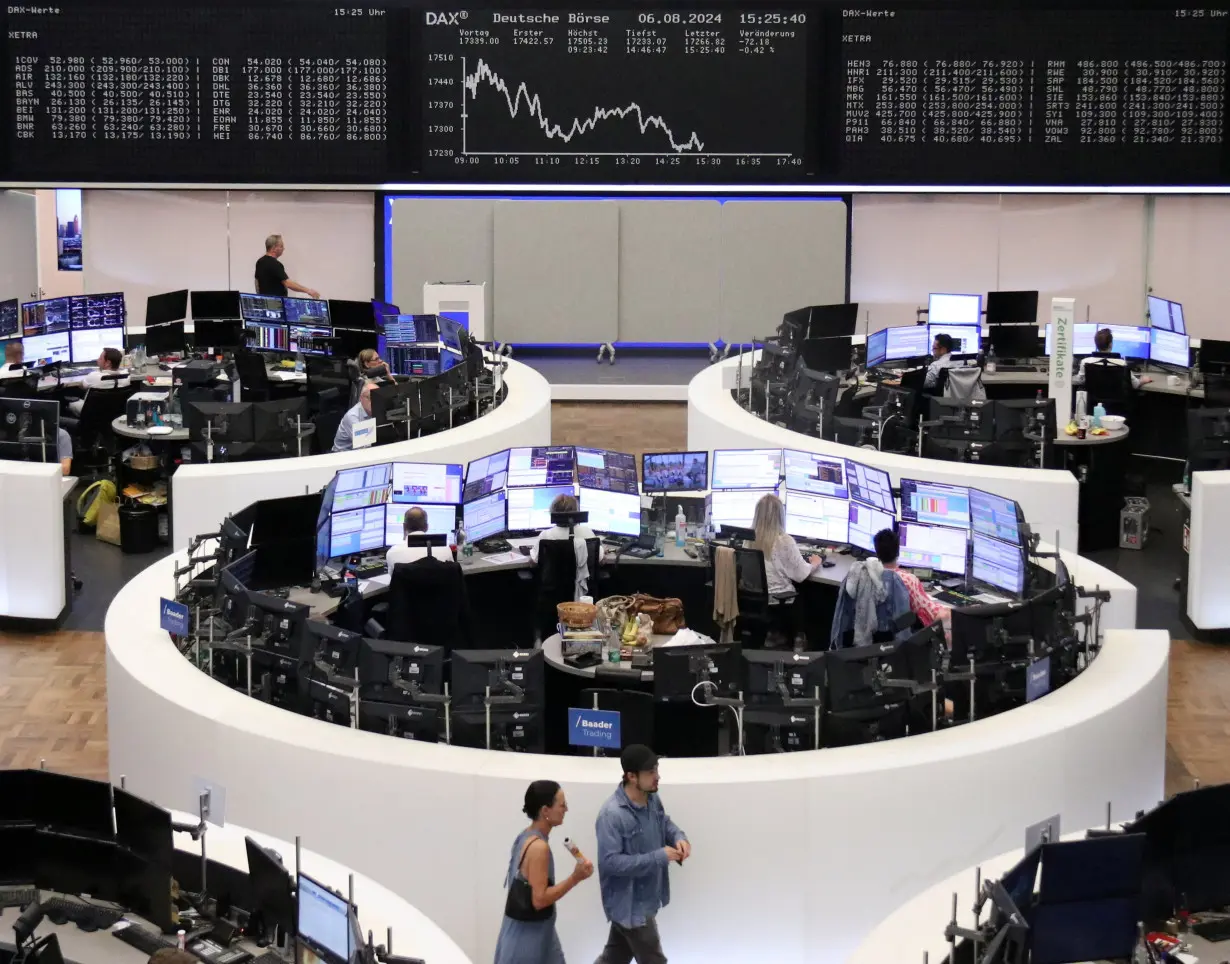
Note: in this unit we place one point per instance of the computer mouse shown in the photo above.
(827, 564)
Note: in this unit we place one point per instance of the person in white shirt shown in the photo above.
(14, 355)
(1104, 342)
(941, 352)
(784, 564)
(343, 441)
(568, 503)
(414, 522)
(110, 362)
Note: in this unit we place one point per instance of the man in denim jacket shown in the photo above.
(636, 843)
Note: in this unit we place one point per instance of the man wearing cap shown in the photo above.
(636, 843)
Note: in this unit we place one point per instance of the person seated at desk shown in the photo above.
(415, 522)
(64, 450)
(14, 355)
(784, 564)
(871, 598)
(109, 362)
(941, 354)
(928, 610)
(1104, 342)
(343, 441)
(568, 503)
(371, 365)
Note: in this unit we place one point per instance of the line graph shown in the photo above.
(624, 93)
(484, 73)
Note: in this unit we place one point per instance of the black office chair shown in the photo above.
(96, 443)
(1217, 390)
(758, 613)
(23, 386)
(1110, 384)
(635, 711)
(557, 575)
(255, 385)
(428, 603)
(328, 384)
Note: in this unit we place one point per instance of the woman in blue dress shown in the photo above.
(530, 937)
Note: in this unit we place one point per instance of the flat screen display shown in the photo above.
(818, 517)
(45, 349)
(966, 339)
(1169, 348)
(88, 344)
(817, 474)
(747, 468)
(486, 516)
(995, 516)
(907, 341)
(865, 522)
(735, 507)
(877, 347)
(612, 511)
(324, 920)
(933, 547)
(541, 466)
(948, 309)
(870, 486)
(604, 469)
(675, 471)
(358, 530)
(362, 486)
(530, 508)
(441, 520)
(934, 503)
(426, 482)
(1001, 564)
(486, 475)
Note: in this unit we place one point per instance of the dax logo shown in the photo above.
(446, 18)
(521, 716)
(422, 649)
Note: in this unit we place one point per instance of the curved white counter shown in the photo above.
(414, 934)
(1049, 497)
(33, 550)
(797, 855)
(201, 495)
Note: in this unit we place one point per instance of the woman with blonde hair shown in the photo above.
(368, 359)
(784, 564)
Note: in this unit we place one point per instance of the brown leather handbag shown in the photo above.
(667, 614)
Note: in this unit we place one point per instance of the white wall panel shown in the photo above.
(328, 236)
(145, 242)
(18, 245)
(906, 246)
(1188, 260)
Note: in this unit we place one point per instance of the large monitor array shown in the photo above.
(73, 328)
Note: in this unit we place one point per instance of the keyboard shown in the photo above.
(369, 570)
(950, 597)
(89, 917)
(488, 546)
(18, 896)
(270, 957)
(74, 372)
(1213, 931)
(1016, 368)
(145, 941)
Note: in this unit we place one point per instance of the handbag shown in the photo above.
(107, 528)
(519, 904)
(667, 614)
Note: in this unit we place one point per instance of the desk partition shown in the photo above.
(33, 552)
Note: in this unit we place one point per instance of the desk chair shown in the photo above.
(1217, 390)
(635, 711)
(428, 604)
(758, 611)
(254, 382)
(557, 575)
(96, 442)
(25, 386)
(1109, 384)
(963, 382)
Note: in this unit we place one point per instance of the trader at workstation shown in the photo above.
(941, 352)
(109, 362)
(14, 355)
(64, 451)
(343, 441)
(414, 523)
(271, 276)
(1104, 342)
(581, 532)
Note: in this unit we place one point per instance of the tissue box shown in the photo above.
(143, 405)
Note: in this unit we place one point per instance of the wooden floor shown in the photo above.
(53, 687)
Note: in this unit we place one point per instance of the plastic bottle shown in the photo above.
(1098, 411)
(991, 361)
(299, 365)
(681, 528)
(465, 548)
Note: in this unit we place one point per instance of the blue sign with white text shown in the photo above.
(1037, 679)
(173, 617)
(598, 728)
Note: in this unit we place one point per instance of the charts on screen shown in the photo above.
(637, 93)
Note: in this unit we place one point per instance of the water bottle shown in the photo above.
(1098, 411)
(991, 360)
(299, 366)
(681, 526)
(465, 547)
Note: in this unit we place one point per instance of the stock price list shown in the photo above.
(630, 95)
(187, 92)
(1002, 96)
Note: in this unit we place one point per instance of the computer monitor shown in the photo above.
(1015, 341)
(530, 508)
(361, 486)
(310, 312)
(1167, 315)
(413, 361)
(932, 547)
(678, 669)
(89, 343)
(486, 516)
(168, 339)
(355, 531)
(144, 828)
(356, 315)
(735, 507)
(450, 331)
(400, 672)
(769, 673)
(747, 468)
(29, 430)
(417, 482)
(170, 306)
(274, 521)
(266, 336)
(935, 503)
(1012, 308)
(400, 719)
(817, 474)
(47, 317)
(56, 801)
(541, 465)
(441, 521)
(516, 729)
(1169, 348)
(906, 342)
(966, 338)
(827, 354)
(217, 334)
(950, 309)
(399, 330)
(215, 305)
(1082, 339)
(348, 343)
(310, 339)
(272, 889)
(262, 309)
(865, 522)
(1130, 341)
(675, 471)
(506, 671)
(486, 475)
(877, 348)
(871, 486)
(324, 921)
(220, 421)
(612, 511)
(1208, 439)
(604, 469)
(10, 319)
(45, 349)
(1000, 564)
(820, 517)
(993, 515)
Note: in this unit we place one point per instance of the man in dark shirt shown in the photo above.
(271, 277)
